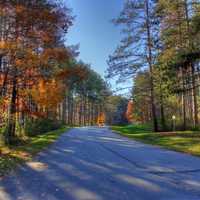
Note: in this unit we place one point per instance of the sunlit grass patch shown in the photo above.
(183, 141)
(10, 157)
(130, 129)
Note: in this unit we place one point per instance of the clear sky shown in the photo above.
(93, 30)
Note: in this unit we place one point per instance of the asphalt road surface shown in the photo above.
(96, 164)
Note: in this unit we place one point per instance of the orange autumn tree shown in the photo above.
(101, 119)
(39, 76)
(30, 50)
(47, 95)
(129, 111)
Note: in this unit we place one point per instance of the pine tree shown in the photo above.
(136, 50)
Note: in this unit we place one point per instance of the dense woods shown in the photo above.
(68, 132)
(42, 85)
(160, 50)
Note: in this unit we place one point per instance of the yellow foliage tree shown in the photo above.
(101, 119)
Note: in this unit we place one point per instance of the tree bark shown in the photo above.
(162, 114)
(10, 134)
(190, 45)
(149, 45)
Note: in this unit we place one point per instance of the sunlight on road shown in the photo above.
(37, 166)
(84, 194)
(111, 139)
(138, 182)
(3, 194)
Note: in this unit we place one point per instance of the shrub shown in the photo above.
(41, 125)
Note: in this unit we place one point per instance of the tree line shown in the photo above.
(160, 50)
(42, 84)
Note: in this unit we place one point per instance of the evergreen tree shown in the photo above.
(136, 50)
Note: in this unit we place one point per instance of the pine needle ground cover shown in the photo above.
(182, 141)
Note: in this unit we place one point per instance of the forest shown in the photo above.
(160, 52)
(99, 99)
(42, 83)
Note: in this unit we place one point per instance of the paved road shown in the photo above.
(96, 164)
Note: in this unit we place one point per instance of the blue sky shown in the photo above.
(93, 30)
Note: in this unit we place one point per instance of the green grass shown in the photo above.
(11, 157)
(182, 141)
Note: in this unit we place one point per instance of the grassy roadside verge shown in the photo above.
(182, 141)
(11, 157)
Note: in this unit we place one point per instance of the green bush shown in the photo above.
(41, 125)
(2, 130)
(195, 129)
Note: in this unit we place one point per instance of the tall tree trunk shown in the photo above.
(71, 110)
(162, 114)
(93, 114)
(149, 45)
(3, 88)
(68, 109)
(194, 95)
(80, 112)
(90, 113)
(10, 133)
(87, 109)
(184, 111)
(190, 45)
(74, 112)
(183, 99)
(64, 109)
(84, 111)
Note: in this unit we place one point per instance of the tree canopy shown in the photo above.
(160, 52)
(40, 76)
